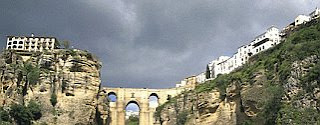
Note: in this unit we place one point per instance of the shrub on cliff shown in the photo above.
(53, 99)
(35, 110)
(4, 115)
(23, 115)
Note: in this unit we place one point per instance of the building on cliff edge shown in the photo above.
(225, 64)
(31, 43)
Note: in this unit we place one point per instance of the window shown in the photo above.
(27, 47)
(20, 47)
(9, 47)
(256, 50)
(10, 38)
(20, 42)
(9, 43)
(262, 47)
(14, 46)
(15, 42)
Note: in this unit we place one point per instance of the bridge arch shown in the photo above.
(153, 100)
(112, 97)
(154, 94)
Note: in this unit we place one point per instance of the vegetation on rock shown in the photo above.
(265, 83)
(23, 115)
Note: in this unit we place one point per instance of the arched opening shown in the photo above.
(132, 113)
(112, 97)
(153, 100)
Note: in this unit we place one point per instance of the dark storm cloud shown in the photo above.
(150, 43)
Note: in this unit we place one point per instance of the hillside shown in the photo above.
(278, 86)
(56, 87)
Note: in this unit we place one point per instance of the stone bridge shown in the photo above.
(139, 96)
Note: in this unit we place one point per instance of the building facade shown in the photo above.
(301, 19)
(225, 64)
(201, 78)
(32, 43)
(315, 14)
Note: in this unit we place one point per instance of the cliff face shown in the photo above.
(204, 108)
(278, 86)
(64, 82)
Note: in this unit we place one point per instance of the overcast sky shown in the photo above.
(150, 43)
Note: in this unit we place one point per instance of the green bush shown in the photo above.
(35, 110)
(4, 115)
(133, 120)
(295, 116)
(182, 118)
(53, 99)
(23, 115)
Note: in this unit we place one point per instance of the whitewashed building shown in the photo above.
(225, 64)
(32, 43)
(265, 41)
(217, 66)
(301, 19)
(201, 78)
(315, 14)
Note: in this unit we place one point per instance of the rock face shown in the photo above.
(73, 76)
(203, 108)
(241, 101)
(293, 87)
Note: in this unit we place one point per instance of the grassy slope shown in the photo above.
(276, 64)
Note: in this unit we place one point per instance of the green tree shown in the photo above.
(35, 109)
(31, 74)
(4, 115)
(207, 72)
(53, 99)
(133, 120)
(21, 114)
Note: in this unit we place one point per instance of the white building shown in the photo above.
(217, 67)
(31, 43)
(315, 14)
(301, 19)
(225, 64)
(201, 78)
(265, 41)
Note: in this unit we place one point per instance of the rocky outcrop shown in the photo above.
(203, 108)
(295, 90)
(72, 76)
(245, 101)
